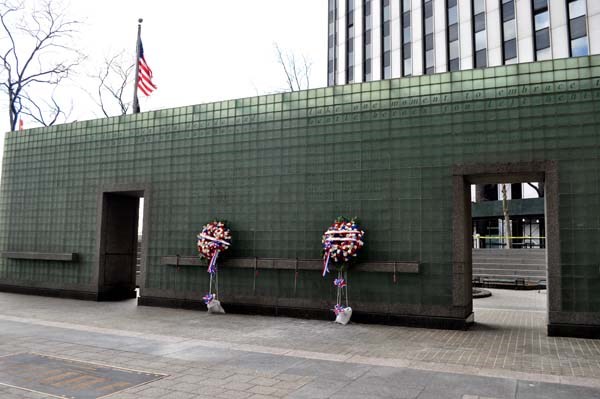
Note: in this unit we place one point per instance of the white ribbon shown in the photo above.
(213, 239)
(341, 239)
(343, 231)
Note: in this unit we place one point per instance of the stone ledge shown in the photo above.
(292, 264)
(61, 257)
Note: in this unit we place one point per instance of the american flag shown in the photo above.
(145, 74)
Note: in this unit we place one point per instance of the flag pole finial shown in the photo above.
(136, 102)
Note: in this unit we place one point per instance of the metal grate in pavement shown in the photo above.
(66, 378)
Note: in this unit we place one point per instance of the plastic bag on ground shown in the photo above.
(344, 317)
(215, 307)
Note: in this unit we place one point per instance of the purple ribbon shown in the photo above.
(338, 309)
(208, 298)
(339, 282)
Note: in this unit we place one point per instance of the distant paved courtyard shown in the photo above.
(505, 355)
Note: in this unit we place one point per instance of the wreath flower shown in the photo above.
(341, 242)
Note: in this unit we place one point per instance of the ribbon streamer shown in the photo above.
(337, 309)
(339, 282)
(208, 298)
(331, 239)
(326, 262)
(342, 231)
(326, 265)
(213, 239)
(212, 266)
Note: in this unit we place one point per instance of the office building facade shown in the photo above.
(382, 39)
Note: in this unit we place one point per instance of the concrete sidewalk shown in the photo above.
(506, 355)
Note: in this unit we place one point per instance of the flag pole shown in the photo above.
(136, 102)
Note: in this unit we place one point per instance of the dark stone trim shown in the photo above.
(446, 323)
(116, 295)
(573, 330)
(466, 174)
(515, 172)
(62, 257)
(133, 190)
(291, 264)
(51, 292)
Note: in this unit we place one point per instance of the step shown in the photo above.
(508, 273)
(508, 266)
(509, 252)
(483, 277)
(505, 261)
(512, 256)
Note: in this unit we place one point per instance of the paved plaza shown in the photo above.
(505, 355)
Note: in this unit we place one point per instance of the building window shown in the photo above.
(406, 39)
(479, 33)
(349, 41)
(541, 24)
(386, 40)
(577, 28)
(332, 43)
(509, 31)
(367, 41)
(429, 53)
(452, 34)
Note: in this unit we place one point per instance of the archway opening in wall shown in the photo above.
(509, 272)
(509, 247)
(140, 240)
(120, 254)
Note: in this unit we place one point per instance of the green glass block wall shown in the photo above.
(281, 167)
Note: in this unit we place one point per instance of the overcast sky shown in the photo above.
(200, 50)
(207, 50)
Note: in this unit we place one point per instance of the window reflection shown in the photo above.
(578, 28)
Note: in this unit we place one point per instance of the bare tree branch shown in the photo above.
(115, 76)
(307, 69)
(46, 115)
(284, 64)
(35, 37)
(297, 74)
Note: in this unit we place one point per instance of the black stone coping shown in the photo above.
(50, 292)
(573, 330)
(61, 257)
(445, 323)
(292, 264)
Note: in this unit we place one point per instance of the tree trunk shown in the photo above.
(11, 108)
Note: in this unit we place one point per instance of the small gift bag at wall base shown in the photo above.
(344, 316)
(341, 244)
(215, 307)
(214, 238)
(342, 313)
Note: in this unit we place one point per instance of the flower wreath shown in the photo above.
(341, 242)
(214, 238)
